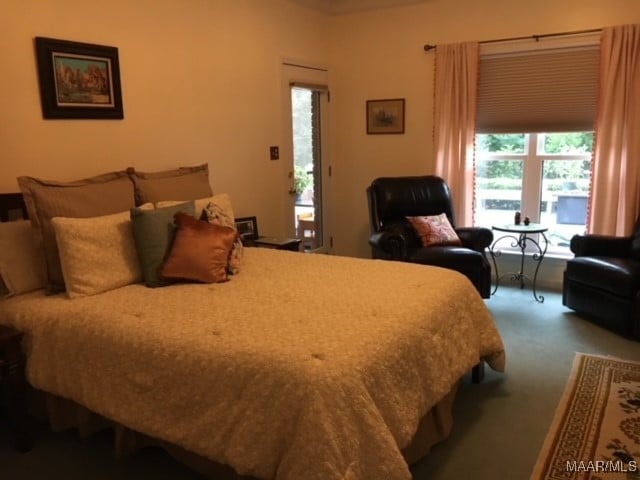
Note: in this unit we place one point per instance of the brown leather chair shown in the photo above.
(392, 199)
(602, 281)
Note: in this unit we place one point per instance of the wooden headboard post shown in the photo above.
(9, 204)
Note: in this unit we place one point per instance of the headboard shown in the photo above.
(12, 207)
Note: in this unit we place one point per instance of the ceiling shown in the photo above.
(338, 7)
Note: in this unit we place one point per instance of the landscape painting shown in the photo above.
(82, 80)
(385, 116)
(78, 80)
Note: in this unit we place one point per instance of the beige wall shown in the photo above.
(379, 55)
(202, 82)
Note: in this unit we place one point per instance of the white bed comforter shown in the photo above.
(300, 367)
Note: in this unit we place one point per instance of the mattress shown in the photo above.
(301, 366)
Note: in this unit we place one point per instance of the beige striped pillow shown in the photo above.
(90, 197)
(183, 184)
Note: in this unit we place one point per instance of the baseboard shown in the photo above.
(549, 274)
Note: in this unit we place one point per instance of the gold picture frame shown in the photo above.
(385, 116)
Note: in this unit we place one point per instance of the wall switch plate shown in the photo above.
(274, 153)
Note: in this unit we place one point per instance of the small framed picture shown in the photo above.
(247, 228)
(385, 116)
(78, 80)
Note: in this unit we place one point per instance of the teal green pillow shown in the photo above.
(153, 231)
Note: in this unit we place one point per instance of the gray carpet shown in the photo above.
(499, 425)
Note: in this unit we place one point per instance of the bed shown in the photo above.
(300, 366)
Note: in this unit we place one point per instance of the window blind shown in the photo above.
(538, 91)
(310, 86)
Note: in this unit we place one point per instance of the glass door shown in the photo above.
(307, 166)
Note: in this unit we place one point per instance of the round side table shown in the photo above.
(521, 236)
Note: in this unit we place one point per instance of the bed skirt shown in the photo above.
(63, 414)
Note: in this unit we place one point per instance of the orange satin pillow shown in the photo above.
(435, 230)
(200, 251)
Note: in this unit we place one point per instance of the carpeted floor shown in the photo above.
(499, 425)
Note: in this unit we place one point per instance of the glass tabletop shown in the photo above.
(522, 228)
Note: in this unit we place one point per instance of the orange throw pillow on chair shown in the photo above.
(435, 230)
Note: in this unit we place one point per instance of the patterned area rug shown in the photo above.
(596, 430)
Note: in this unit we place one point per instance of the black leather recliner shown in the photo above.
(392, 199)
(602, 281)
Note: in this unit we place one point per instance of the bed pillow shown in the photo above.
(219, 211)
(221, 199)
(153, 231)
(182, 184)
(97, 254)
(91, 197)
(22, 267)
(200, 251)
(217, 214)
(435, 230)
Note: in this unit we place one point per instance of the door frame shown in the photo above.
(313, 76)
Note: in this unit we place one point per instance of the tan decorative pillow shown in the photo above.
(221, 199)
(216, 214)
(22, 267)
(181, 184)
(435, 230)
(200, 251)
(97, 254)
(91, 197)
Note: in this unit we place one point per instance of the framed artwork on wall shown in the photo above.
(385, 116)
(78, 80)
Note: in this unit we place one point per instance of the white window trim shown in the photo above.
(533, 163)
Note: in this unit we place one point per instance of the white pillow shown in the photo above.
(22, 265)
(97, 254)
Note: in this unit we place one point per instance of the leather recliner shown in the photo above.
(602, 281)
(392, 199)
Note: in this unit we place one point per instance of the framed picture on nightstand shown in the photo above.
(247, 228)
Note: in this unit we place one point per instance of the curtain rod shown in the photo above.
(428, 47)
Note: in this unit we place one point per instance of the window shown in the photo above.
(524, 91)
(545, 176)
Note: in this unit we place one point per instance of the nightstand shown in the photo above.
(292, 244)
(14, 386)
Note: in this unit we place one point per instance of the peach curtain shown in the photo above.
(455, 102)
(615, 185)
